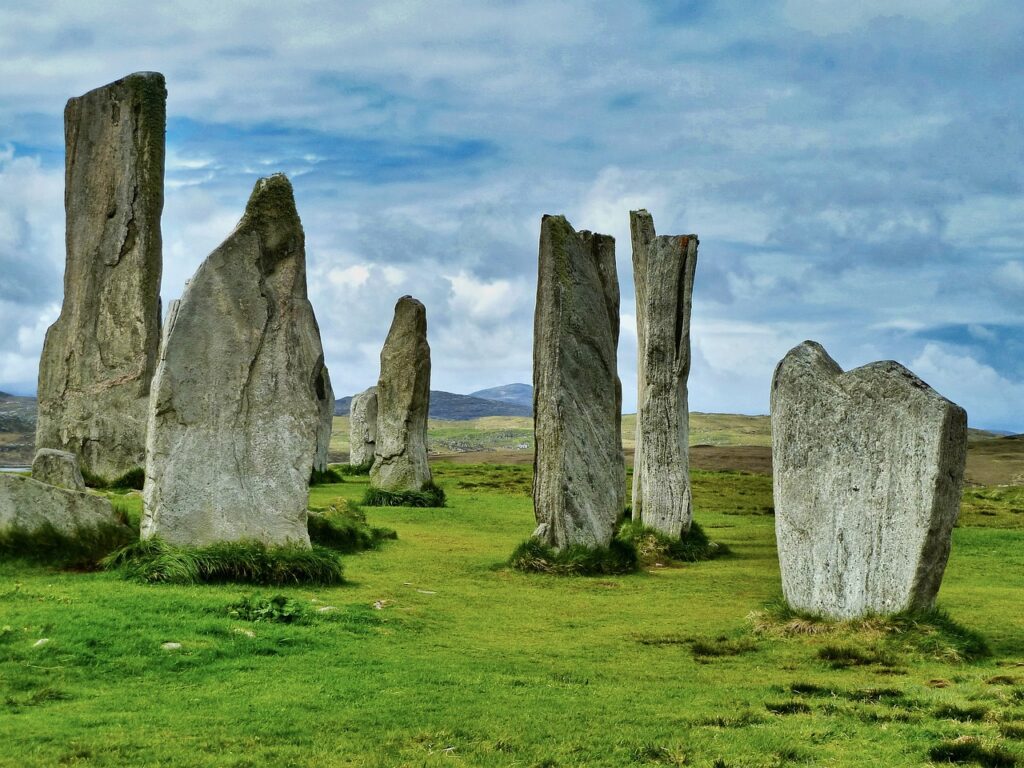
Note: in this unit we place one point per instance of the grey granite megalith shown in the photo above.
(57, 468)
(403, 402)
(325, 398)
(236, 412)
(363, 427)
(663, 270)
(579, 473)
(27, 505)
(99, 356)
(868, 469)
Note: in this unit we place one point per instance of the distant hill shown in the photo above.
(17, 414)
(520, 394)
(451, 407)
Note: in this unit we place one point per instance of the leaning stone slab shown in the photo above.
(363, 427)
(403, 401)
(579, 473)
(99, 356)
(57, 468)
(28, 505)
(868, 469)
(663, 270)
(236, 409)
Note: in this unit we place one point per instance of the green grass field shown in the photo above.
(436, 654)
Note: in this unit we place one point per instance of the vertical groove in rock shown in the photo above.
(99, 356)
(663, 272)
(579, 473)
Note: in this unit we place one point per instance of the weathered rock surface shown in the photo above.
(28, 505)
(325, 397)
(57, 468)
(663, 270)
(236, 409)
(403, 401)
(363, 427)
(868, 469)
(579, 472)
(99, 356)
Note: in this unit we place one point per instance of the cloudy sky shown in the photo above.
(853, 170)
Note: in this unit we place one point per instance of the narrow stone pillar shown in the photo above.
(579, 472)
(663, 269)
(362, 419)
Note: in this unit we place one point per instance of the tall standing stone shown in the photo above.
(579, 473)
(325, 398)
(403, 401)
(237, 408)
(663, 270)
(868, 469)
(363, 427)
(99, 356)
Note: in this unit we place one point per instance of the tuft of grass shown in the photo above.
(354, 469)
(655, 547)
(431, 496)
(534, 556)
(342, 526)
(280, 609)
(970, 714)
(154, 561)
(1012, 731)
(703, 648)
(791, 707)
(968, 749)
(46, 544)
(329, 476)
(132, 480)
(841, 656)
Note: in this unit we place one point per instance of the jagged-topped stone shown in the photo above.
(99, 356)
(237, 406)
(57, 468)
(868, 469)
(403, 401)
(363, 427)
(579, 473)
(663, 270)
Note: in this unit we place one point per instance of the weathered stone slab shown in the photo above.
(59, 468)
(663, 270)
(363, 427)
(403, 400)
(236, 412)
(99, 356)
(579, 472)
(29, 505)
(868, 469)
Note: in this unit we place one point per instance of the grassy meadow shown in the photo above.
(434, 653)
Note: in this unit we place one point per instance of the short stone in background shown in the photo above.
(236, 414)
(57, 468)
(325, 397)
(403, 401)
(28, 505)
(99, 356)
(868, 469)
(363, 427)
(663, 271)
(579, 471)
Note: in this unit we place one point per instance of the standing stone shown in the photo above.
(27, 505)
(868, 469)
(57, 468)
(579, 472)
(403, 401)
(325, 399)
(236, 412)
(363, 427)
(99, 356)
(663, 269)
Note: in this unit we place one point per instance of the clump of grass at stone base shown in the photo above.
(354, 469)
(328, 476)
(132, 480)
(155, 561)
(431, 496)
(535, 556)
(342, 526)
(654, 547)
(80, 551)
